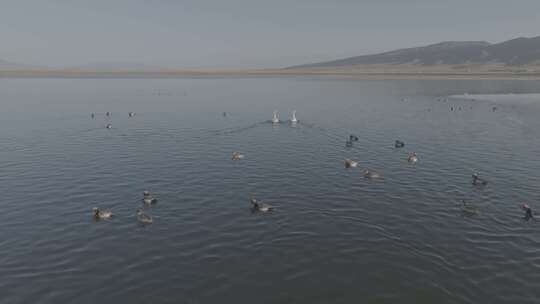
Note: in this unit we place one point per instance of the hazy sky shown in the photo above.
(246, 33)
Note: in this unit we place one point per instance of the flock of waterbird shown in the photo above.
(259, 206)
(349, 163)
(148, 199)
(108, 114)
(143, 218)
(412, 158)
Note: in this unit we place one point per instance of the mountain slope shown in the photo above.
(518, 51)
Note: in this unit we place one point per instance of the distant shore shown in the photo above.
(358, 72)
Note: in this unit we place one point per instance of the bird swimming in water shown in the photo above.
(92, 115)
(131, 114)
(350, 163)
(275, 117)
(353, 137)
(477, 180)
(144, 218)
(237, 156)
(468, 209)
(260, 206)
(399, 144)
(148, 198)
(372, 175)
(108, 126)
(100, 214)
(108, 113)
(224, 114)
(293, 118)
(412, 158)
(494, 109)
(528, 212)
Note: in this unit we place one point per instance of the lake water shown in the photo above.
(334, 236)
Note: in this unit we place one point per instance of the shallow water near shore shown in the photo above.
(334, 236)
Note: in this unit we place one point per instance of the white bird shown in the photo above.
(101, 214)
(260, 206)
(143, 218)
(275, 118)
(237, 156)
(412, 158)
(148, 198)
(293, 119)
(350, 163)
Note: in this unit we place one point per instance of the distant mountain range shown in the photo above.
(12, 66)
(102, 66)
(516, 56)
(515, 52)
(117, 66)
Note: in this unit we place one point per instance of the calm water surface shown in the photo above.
(334, 236)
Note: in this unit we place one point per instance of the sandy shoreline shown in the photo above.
(326, 73)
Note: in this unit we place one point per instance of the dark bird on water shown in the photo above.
(477, 180)
(260, 206)
(528, 212)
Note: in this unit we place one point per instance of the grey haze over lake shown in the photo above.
(246, 33)
(334, 237)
